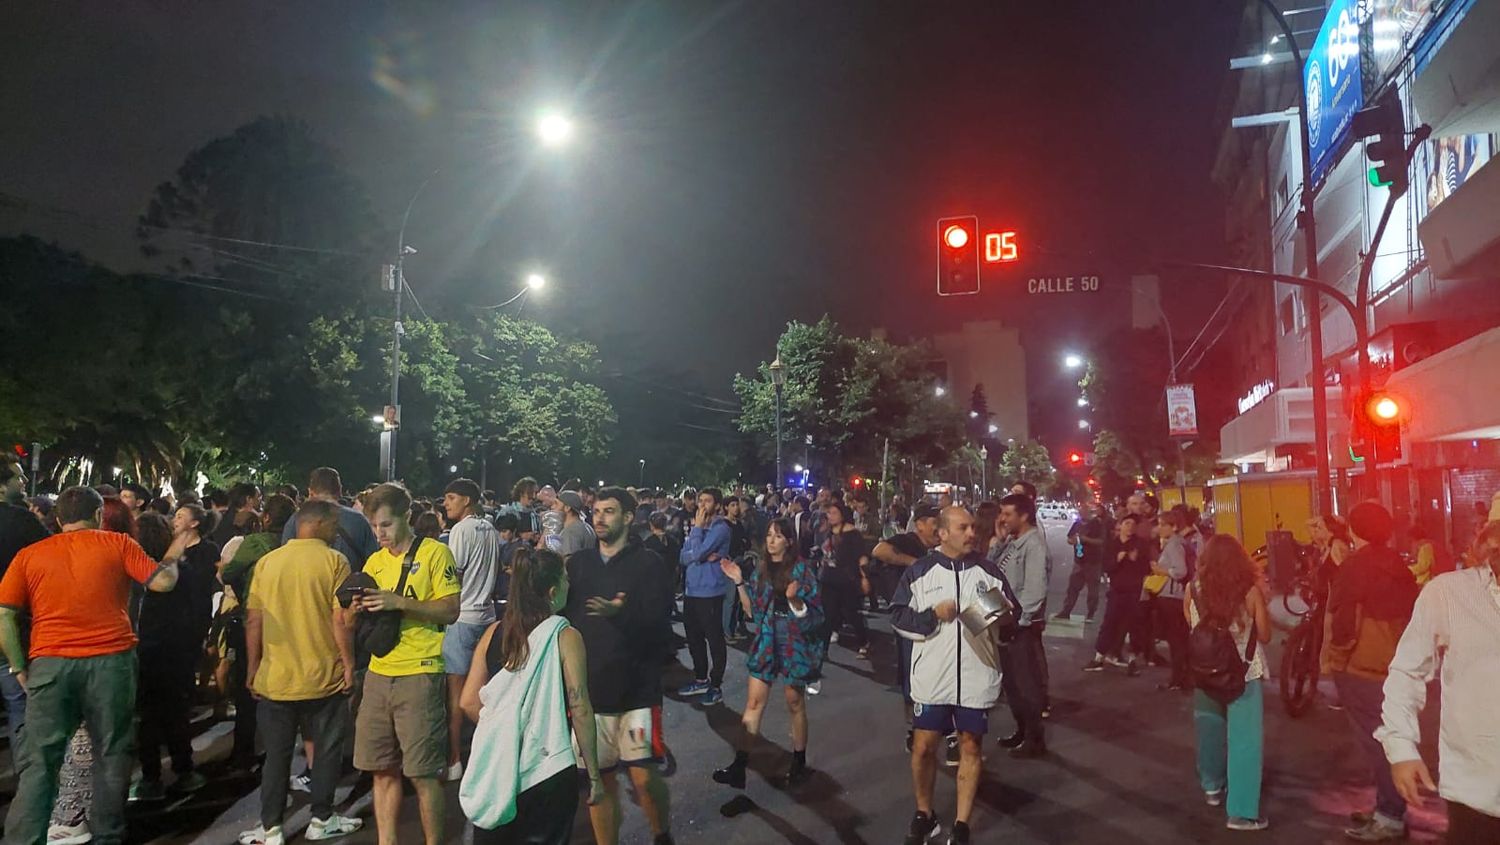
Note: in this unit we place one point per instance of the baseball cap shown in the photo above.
(926, 510)
(571, 499)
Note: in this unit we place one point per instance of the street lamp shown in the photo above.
(534, 281)
(1082, 402)
(940, 391)
(1072, 360)
(643, 473)
(554, 129)
(984, 464)
(1083, 423)
(994, 429)
(778, 380)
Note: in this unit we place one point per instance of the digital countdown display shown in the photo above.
(1000, 248)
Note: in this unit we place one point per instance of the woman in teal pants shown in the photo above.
(1230, 737)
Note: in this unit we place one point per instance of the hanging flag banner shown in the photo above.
(1182, 411)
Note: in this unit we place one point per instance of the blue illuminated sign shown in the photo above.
(1331, 79)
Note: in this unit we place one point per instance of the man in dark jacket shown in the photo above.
(619, 597)
(1369, 605)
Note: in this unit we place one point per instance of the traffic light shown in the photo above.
(1386, 121)
(958, 256)
(856, 482)
(1075, 459)
(1376, 428)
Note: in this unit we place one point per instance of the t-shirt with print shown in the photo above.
(420, 649)
(76, 585)
(294, 590)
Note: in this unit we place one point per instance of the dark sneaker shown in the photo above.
(189, 783)
(1132, 668)
(1116, 662)
(695, 688)
(796, 776)
(960, 834)
(1012, 741)
(924, 828)
(1095, 665)
(712, 696)
(1376, 831)
(147, 790)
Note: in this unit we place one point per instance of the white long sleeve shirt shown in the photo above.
(1454, 635)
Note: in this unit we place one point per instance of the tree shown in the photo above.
(851, 394)
(978, 423)
(1027, 461)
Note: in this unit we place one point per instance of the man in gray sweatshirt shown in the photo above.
(1027, 567)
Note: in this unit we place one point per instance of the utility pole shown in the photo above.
(1307, 217)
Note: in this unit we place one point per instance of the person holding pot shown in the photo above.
(955, 676)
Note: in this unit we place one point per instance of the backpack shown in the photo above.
(1214, 660)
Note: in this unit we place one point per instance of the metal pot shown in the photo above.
(989, 606)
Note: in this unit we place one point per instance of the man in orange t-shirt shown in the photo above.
(81, 668)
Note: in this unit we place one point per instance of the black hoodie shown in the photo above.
(625, 650)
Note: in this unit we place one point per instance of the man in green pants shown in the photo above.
(81, 667)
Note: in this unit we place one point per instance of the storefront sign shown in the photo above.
(1331, 79)
(1182, 411)
(1257, 395)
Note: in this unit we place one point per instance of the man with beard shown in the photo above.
(619, 596)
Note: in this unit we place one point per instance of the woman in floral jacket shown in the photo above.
(781, 596)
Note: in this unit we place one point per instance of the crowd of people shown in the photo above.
(519, 647)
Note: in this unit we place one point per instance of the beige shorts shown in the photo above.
(632, 738)
(403, 723)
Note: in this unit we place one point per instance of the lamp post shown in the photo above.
(1308, 217)
(643, 473)
(778, 380)
(984, 465)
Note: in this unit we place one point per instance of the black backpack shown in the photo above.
(1214, 659)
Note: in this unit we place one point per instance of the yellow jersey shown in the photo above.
(420, 649)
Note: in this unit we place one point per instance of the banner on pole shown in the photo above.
(1182, 411)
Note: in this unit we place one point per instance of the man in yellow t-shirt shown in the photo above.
(402, 727)
(300, 662)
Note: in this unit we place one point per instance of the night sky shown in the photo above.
(737, 165)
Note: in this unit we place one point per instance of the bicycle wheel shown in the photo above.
(1299, 670)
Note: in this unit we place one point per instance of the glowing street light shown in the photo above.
(940, 391)
(1082, 402)
(1083, 423)
(1072, 360)
(536, 281)
(554, 129)
(994, 429)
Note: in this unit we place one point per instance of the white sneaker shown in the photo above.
(455, 772)
(69, 834)
(331, 827)
(815, 687)
(261, 836)
(301, 783)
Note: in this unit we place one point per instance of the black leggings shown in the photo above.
(841, 601)
(164, 700)
(544, 814)
(1119, 617)
(703, 623)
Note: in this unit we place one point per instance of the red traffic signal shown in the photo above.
(1075, 458)
(958, 256)
(1376, 428)
(856, 481)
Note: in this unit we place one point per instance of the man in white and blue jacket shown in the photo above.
(704, 588)
(955, 674)
(1028, 569)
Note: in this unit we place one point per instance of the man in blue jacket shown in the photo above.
(703, 595)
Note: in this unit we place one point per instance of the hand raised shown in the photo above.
(596, 606)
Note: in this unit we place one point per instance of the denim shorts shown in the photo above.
(459, 641)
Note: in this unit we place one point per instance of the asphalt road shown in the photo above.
(1120, 768)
